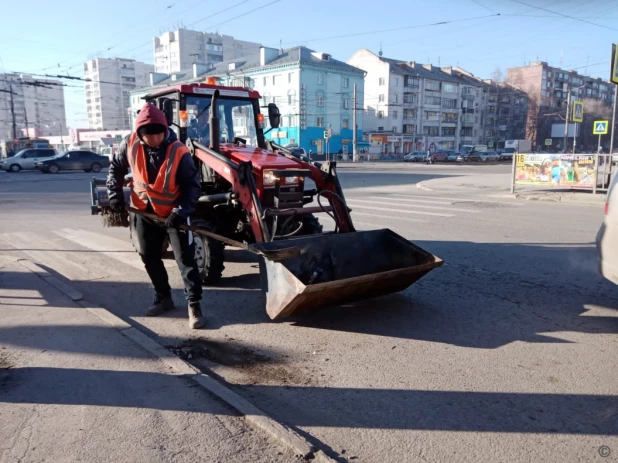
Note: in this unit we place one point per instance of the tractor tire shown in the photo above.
(311, 225)
(208, 254)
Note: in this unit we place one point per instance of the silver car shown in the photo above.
(607, 237)
(27, 159)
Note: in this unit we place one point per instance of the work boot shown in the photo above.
(161, 304)
(196, 319)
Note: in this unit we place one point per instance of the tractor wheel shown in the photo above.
(311, 225)
(208, 254)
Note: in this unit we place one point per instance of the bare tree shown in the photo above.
(532, 121)
(497, 75)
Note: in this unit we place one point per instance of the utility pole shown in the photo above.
(355, 126)
(13, 112)
(611, 146)
(566, 126)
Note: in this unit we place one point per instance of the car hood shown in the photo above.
(49, 158)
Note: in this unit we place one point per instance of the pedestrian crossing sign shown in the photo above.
(578, 111)
(600, 128)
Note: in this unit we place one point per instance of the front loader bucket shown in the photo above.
(337, 268)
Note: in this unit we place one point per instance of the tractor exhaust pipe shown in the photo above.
(215, 128)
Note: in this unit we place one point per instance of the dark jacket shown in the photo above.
(187, 176)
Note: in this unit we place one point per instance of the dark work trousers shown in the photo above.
(151, 236)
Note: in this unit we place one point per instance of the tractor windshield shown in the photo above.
(237, 119)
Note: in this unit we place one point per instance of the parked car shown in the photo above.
(462, 157)
(607, 237)
(453, 157)
(473, 156)
(26, 159)
(415, 156)
(437, 156)
(489, 156)
(74, 160)
(506, 156)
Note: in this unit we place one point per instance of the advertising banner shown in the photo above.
(555, 170)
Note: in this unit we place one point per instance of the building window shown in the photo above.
(320, 78)
(489, 133)
(320, 101)
(346, 82)
(380, 129)
(381, 81)
(381, 98)
(432, 115)
(320, 121)
(408, 128)
(396, 99)
(432, 85)
(291, 121)
(290, 99)
(396, 82)
(274, 100)
(345, 124)
(290, 75)
(450, 88)
(395, 114)
(449, 117)
(264, 81)
(449, 103)
(409, 113)
(448, 131)
(380, 114)
(346, 103)
(409, 98)
(433, 131)
(433, 100)
(410, 82)
(467, 132)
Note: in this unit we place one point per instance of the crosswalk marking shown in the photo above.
(413, 199)
(439, 208)
(459, 200)
(112, 247)
(48, 253)
(354, 205)
(406, 219)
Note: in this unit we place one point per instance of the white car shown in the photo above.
(27, 159)
(607, 237)
(489, 156)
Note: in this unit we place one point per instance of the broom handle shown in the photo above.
(197, 231)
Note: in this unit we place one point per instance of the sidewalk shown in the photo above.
(73, 388)
(499, 185)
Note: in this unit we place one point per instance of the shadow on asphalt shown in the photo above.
(353, 179)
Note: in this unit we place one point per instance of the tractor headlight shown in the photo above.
(291, 180)
(269, 178)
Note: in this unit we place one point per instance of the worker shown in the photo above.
(166, 183)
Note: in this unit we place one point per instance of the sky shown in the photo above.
(480, 36)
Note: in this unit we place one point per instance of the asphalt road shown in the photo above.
(505, 353)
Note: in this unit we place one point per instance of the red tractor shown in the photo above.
(256, 192)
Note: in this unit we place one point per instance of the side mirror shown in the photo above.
(167, 106)
(274, 116)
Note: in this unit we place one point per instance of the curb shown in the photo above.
(253, 415)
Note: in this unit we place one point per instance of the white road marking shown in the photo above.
(459, 200)
(407, 219)
(399, 211)
(111, 247)
(413, 199)
(438, 208)
(49, 254)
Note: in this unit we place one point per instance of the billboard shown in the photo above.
(555, 170)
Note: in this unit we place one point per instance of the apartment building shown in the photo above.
(108, 91)
(38, 106)
(177, 50)
(313, 91)
(547, 88)
(411, 106)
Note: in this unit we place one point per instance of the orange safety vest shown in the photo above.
(163, 194)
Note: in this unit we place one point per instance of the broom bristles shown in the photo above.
(114, 219)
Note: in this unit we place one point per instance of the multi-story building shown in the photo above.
(108, 90)
(313, 91)
(547, 88)
(38, 106)
(177, 50)
(411, 106)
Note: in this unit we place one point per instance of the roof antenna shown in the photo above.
(281, 45)
(380, 52)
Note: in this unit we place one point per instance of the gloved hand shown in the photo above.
(116, 205)
(174, 220)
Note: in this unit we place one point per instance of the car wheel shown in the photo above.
(53, 169)
(96, 167)
(15, 168)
